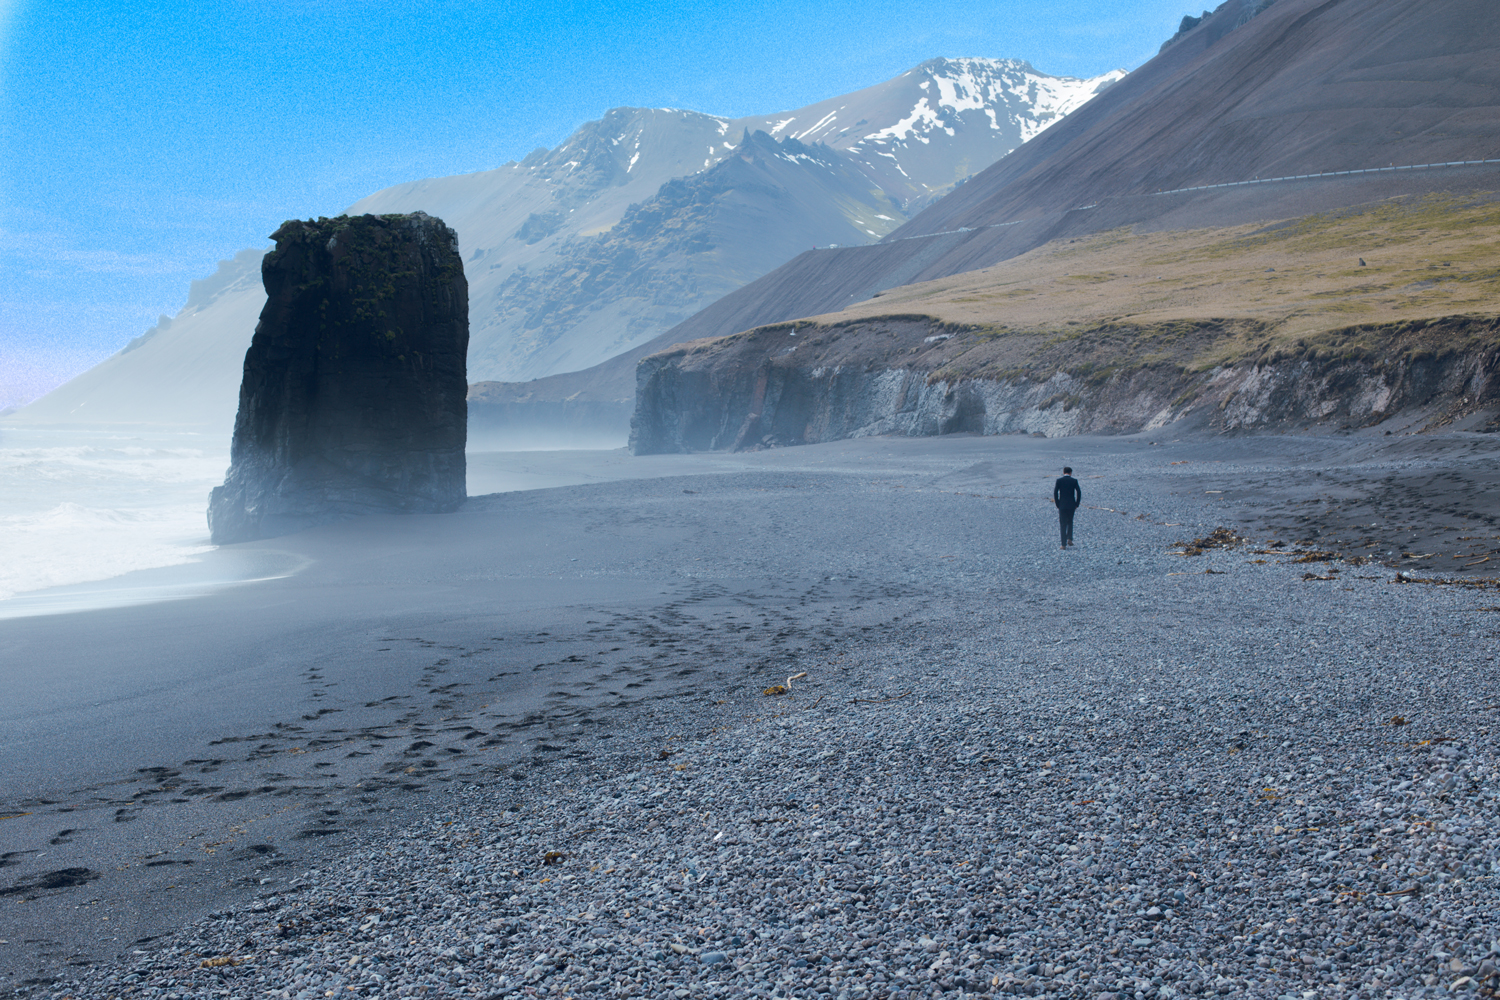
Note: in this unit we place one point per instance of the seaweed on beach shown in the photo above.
(1219, 538)
(1227, 538)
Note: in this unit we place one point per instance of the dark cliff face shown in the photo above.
(803, 383)
(353, 397)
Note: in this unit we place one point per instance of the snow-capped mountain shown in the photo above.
(639, 219)
(912, 138)
(931, 127)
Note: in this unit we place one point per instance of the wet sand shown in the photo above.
(163, 760)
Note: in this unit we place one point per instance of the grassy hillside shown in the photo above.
(1209, 297)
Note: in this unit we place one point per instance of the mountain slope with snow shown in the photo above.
(928, 129)
(912, 138)
(697, 239)
(561, 274)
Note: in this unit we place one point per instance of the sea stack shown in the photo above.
(352, 400)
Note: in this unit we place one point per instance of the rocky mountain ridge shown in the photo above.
(1303, 87)
(1283, 114)
(900, 144)
(695, 240)
(543, 242)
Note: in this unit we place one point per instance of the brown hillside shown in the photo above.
(1345, 319)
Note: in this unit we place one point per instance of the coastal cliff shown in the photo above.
(352, 399)
(805, 383)
(1336, 321)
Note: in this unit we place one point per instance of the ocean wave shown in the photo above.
(79, 508)
(130, 462)
(73, 543)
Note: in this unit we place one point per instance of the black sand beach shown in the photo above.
(166, 761)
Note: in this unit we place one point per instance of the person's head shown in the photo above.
(1067, 470)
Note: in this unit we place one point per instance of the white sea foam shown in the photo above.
(76, 507)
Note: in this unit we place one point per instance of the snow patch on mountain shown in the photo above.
(996, 88)
(1052, 98)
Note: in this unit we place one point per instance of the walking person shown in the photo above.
(1067, 495)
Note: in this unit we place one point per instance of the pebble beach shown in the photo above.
(994, 768)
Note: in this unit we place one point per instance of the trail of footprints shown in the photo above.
(707, 642)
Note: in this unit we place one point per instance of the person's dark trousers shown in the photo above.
(1065, 522)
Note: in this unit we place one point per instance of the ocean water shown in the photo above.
(80, 508)
(77, 507)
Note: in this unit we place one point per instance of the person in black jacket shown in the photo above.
(1067, 494)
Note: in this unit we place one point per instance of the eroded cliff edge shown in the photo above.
(910, 375)
(352, 400)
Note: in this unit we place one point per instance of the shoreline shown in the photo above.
(941, 597)
(193, 568)
(197, 572)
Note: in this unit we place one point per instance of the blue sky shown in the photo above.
(140, 144)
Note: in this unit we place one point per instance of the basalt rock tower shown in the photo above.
(352, 400)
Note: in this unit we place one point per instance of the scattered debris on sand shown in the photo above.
(1219, 538)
